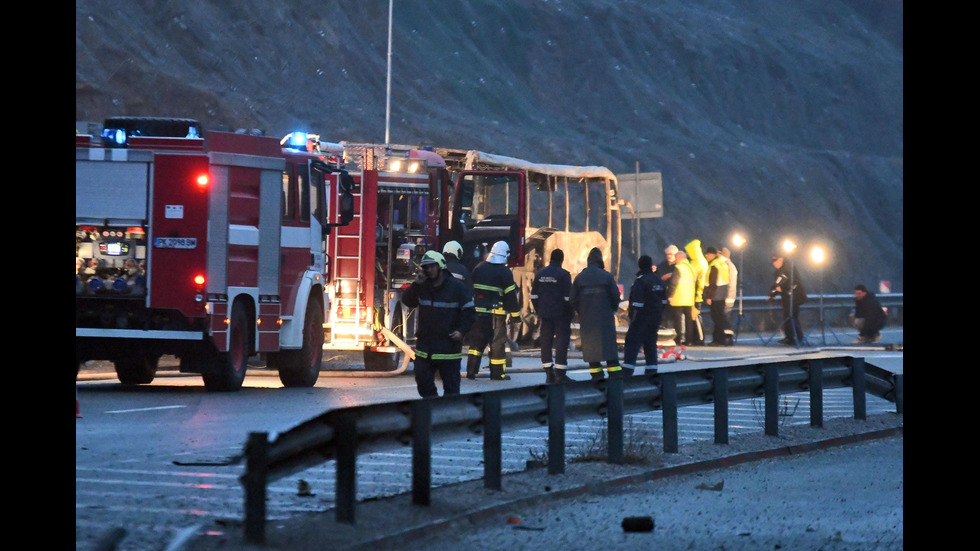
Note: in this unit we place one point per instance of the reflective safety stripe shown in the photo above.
(510, 288)
(438, 304)
(424, 354)
(488, 288)
(637, 304)
(501, 361)
(474, 352)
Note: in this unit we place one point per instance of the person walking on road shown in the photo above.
(495, 298)
(715, 295)
(788, 286)
(446, 314)
(646, 308)
(550, 292)
(595, 297)
(869, 317)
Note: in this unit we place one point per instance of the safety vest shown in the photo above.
(684, 291)
(722, 265)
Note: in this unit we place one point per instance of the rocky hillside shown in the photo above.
(772, 118)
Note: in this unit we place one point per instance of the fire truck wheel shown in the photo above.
(301, 368)
(139, 371)
(229, 373)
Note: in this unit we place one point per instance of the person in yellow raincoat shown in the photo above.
(700, 265)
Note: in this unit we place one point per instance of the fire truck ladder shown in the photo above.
(346, 330)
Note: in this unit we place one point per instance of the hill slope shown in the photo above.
(773, 118)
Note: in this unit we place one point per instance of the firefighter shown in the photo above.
(445, 309)
(495, 298)
(595, 297)
(646, 308)
(549, 295)
(453, 252)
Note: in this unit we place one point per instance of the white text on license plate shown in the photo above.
(175, 242)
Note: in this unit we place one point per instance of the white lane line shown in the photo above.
(144, 409)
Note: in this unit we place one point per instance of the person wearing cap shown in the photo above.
(453, 252)
(646, 308)
(788, 286)
(869, 316)
(595, 298)
(715, 295)
(445, 309)
(549, 296)
(495, 299)
(664, 271)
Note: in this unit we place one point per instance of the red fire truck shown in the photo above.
(211, 248)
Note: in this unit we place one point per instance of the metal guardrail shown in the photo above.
(766, 318)
(343, 434)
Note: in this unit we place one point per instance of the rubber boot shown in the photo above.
(549, 371)
(627, 370)
(497, 373)
(561, 376)
(595, 369)
(472, 367)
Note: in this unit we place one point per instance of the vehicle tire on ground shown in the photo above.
(137, 371)
(229, 372)
(301, 368)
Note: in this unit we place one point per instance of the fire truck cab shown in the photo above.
(208, 246)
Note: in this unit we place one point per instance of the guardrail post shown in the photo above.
(421, 452)
(859, 385)
(345, 434)
(668, 394)
(255, 481)
(614, 401)
(772, 399)
(492, 441)
(815, 382)
(720, 378)
(556, 429)
(899, 394)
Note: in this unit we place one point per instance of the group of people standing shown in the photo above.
(458, 307)
(693, 278)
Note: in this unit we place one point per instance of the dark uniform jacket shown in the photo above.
(550, 292)
(494, 290)
(647, 298)
(442, 310)
(595, 296)
(781, 279)
(871, 311)
(459, 271)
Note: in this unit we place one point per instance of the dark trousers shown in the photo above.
(791, 322)
(719, 317)
(677, 318)
(643, 334)
(488, 329)
(555, 332)
(425, 376)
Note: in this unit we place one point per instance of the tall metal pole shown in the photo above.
(823, 336)
(388, 95)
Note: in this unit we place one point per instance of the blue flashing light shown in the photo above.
(298, 140)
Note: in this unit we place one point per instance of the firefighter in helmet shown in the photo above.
(496, 302)
(445, 309)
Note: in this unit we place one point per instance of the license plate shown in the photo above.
(175, 242)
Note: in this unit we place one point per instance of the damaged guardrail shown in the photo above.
(343, 434)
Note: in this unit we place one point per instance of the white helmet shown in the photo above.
(499, 253)
(453, 248)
